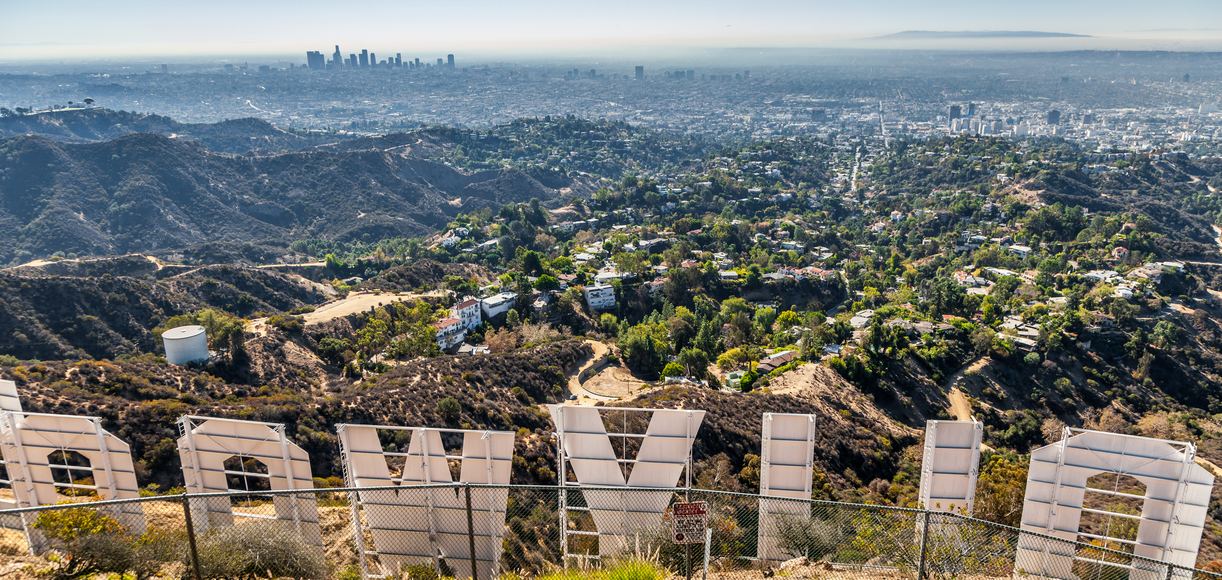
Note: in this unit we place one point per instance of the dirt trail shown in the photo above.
(354, 303)
(362, 301)
(297, 265)
(960, 406)
(585, 397)
(1211, 466)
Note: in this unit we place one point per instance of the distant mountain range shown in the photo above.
(949, 34)
(87, 125)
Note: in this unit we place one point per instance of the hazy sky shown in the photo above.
(110, 28)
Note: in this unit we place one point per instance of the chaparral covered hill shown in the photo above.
(73, 313)
(143, 193)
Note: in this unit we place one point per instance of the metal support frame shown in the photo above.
(1182, 482)
(193, 471)
(772, 501)
(20, 476)
(624, 435)
(357, 505)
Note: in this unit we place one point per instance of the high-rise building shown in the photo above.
(337, 58)
(971, 109)
(440, 61)
(315, 60)
(1054, 117)
(364, 59)
(955, 112)
(351, 60)
(398, 59)
(417, 62)
(450, 61)
(640, 73)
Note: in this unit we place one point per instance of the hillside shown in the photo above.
(139, 398)
(96, 124)
(149, 193)
(45, 316)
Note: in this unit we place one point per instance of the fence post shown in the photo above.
(924, 538)
(471, 532)
(186, 514)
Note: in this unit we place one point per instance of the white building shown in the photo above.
(498, 304)
(468, 311)
(1020, 250)
(450, 333)
(600, 297)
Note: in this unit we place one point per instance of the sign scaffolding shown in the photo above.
(462, 527)
(787, 455)
(47, 457)
(584, 444)
(950, 466)
(208, 446)
(1173, 512)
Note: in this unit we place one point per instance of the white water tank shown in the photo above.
(185, 344)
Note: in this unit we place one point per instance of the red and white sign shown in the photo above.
(688, 521)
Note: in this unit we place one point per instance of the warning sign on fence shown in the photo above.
(688, 521)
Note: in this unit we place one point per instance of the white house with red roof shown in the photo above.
(468, 311)
(450, 332)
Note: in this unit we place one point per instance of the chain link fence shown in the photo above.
(460, 531)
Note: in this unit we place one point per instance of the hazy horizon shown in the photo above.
(141, 30)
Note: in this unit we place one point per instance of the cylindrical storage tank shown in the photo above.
(185, 344)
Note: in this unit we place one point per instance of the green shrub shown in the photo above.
(89, 542)
(420, 572)
(258, 549)
(286, 323)
(630, 569)
(449, 408)
(812, 538)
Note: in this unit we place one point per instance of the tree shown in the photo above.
(644, 349)
(547, 282)
(682, 326)
(501, 340)
(532, 263)
(786, 320)
(943, 295)
(999, 488)
(673, 369)
(695, 362)
(337, 351)
(734, 358)
(449, 409)
(1166, 334)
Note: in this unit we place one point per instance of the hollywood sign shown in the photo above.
(47, 455)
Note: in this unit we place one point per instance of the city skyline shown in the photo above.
(141, 28)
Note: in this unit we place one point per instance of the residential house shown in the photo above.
(450, 332)
(600, 297)
(498, 304)
(773, 362)
(468, 311)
